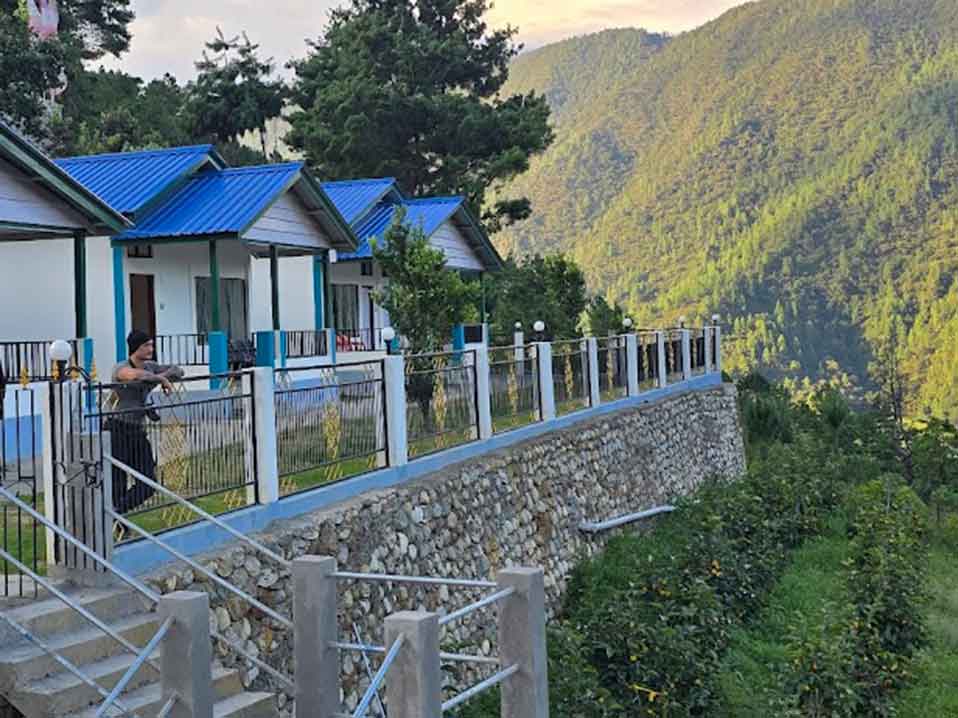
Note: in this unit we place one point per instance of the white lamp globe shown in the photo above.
(389, 334)
(518, 326)
(715, 318)
(61, 350)
(627, 322)
(682, 321)
(539, 326)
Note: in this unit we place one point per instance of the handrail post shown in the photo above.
(632, 363)
(522, 642)
(394, 376)
(315, 628)
(187, 654)
(264, 428)
(663, 368)
(686, 354)
(484, 407)
(707, 338)
(592, 356)
(547, 402)
(414, 682)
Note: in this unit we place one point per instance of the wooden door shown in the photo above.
(142, 304)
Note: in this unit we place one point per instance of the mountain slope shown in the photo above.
(793, 164)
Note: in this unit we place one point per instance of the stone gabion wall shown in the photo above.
(520, 506)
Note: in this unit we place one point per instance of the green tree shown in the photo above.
(234, 92)
(603, 319)
(29, 70)
(551, 289)
(411, 90)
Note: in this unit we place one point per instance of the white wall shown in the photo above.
(26, 202)
(296, 305)
(450, 241)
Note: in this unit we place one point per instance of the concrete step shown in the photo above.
(51, 616)
(228, 689)
(28, 662)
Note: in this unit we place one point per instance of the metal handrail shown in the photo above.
(282, 620)
(365, 648)
(168, 706)
(65, 662)
(253, 659)
(135, 666)
(396, 578)
(599, 526)
(482, 603)
(373, 689)
(491, 681)
(118, 572)
(197, 510)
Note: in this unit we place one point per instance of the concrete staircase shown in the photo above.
(39, 687)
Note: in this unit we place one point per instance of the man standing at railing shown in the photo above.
(134, 380)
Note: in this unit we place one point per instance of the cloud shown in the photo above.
(168, 35)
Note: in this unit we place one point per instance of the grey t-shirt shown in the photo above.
(131, 396)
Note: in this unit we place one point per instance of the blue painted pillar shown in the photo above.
(319, 292)
(458, 337)
(119, 303)
(283, 352)
(218, 356)
(266, 349)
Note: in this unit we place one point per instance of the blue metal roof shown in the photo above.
(428, 214)
(128, 180)
(217, 202)
(353, 198)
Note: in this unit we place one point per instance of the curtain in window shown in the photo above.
(346, 306)
(232, 306)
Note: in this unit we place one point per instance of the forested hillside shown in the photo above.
(792, 165)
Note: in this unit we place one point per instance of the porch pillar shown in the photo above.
(274, 284)
(319, 292)
(79, 282)
(215, 324)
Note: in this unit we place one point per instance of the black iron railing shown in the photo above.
(197, 441)
(613, 368)
(648, 356)
(570, 376)
(330, 424)
(30, 360)
(360, 340)
(698, 352)
(513, 387)
(305, 344)
(182, 349)
(674, 356)
(442, 407)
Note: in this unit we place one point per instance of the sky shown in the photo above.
(168, 35)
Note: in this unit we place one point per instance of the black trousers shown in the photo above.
(131, 446)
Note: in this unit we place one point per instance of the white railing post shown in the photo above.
(519, 345)
(547, 402)
(414, 681)
(522, 642)
(43, 397)
(663, 369)
(484, 406)
(686, 354)
(394, 375)
(187, 656)
(707, 336)
(264, 429)
(316, 660)
(592, 354)
(632, 363)
(718, 348)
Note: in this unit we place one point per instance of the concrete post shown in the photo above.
(266, 349)
(632, 363)
(43, 399)
(394, 375)
(686, 354)
(663, 370)
(707, 333)
(219, 357)
(718, 348)
(414, 682)
(547, 401)
(592, 357)
(314, 628)
(522, 642)
(519, 349)
(187, 655)
(264, 429)
(484, 406)
(331, 344)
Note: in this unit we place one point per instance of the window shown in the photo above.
(346, 306)
(366, 269)
(232, 306)
(140, 251)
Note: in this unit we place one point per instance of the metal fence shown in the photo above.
(514, 387)
(698, 352)
(442, 407)
(182, 349)
(330, 423)
(360, 340)
(197, 441)
(20, 446)
(673, 356)
(307, 343)
(613, 368)
(29, 361)
(648, 346)
(570, 375)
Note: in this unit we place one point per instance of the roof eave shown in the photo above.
(495, 263)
